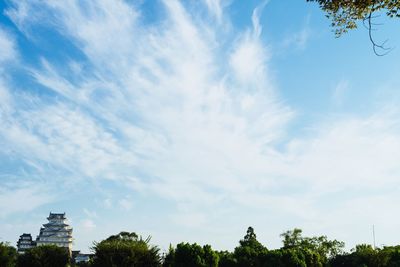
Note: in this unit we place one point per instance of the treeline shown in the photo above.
(130, 250)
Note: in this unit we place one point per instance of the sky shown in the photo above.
(192, 120)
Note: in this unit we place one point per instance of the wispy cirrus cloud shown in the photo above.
(158, 99)
(300, 38)
(339, 92)
(7, 46)
(23, 197)
(216, 8)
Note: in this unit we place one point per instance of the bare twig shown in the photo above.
(375, 46)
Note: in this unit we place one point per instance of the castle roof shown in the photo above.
(25, 235)
(55, 225)
(56, 216)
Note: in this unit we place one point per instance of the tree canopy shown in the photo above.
(44, 256)
(191, 255)
(125, 250)
(131, 250)
(345, 15)
(8, 255)
(250, 251)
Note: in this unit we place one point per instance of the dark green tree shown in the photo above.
(390, 256)
(292, 238)
(8, 255)
(274, 258)
(293, 257)
(124, 236)
(169, 258)
(211, 257)
(365, 254)
(83, 264)
(316, 251)
(250, 252)
(125, 250)
(226, 259)
(44, 256)
(327, 249)
(191, 255)
(361, 256)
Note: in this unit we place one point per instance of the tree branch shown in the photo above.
(375, 46)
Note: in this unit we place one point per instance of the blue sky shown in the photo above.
(192, 120)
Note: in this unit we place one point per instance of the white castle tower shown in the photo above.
(56, 232)
(25, 242)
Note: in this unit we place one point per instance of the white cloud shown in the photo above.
(107, 203)
(64, 138)
(190, 219)
(90, 214)
(300, 38)
(351, 153)
(22, 198)
(125, 203)
(171, 85)
(215, 7)
(255, 18)
(5, 99)
(88, 224)
(248, 60)
(249, 57)
(339, 92)
(7, 47)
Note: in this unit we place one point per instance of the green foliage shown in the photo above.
(292, 238)
(125, 250)
(366, 255)
(226, 259)
(8, 255)
(292, 257)
(130, 250)
(250, 252)
(316, 250)
(44, 256)
(390, 256)
(169, 259)
(345, 13)
(191, 255)
(83, 264)
(124, 236)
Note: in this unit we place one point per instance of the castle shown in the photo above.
(55, 232)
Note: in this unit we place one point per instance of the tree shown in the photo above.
(292, 257)
(211, 258)
(362, 255)
(83, 264)
(8, 255)
(250, 240)
(191, 255)
(317, 251)
(345, 14)
(292, 238)
(365, 254)
(390, 256)
(226, 259)
(169, 258)
(44, 256)
(123, 236)
(250, 252)
(125, 250)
